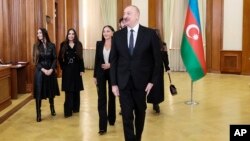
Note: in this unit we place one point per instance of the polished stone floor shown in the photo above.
(223, 99)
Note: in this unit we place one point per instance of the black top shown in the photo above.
(45, 86)
(71, 65)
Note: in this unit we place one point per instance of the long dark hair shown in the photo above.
(110, 27)
(45, 35)
(39, 42)
(78, 44)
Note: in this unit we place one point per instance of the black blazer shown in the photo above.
(99, 60)
(143, 66)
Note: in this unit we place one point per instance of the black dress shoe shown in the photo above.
(102, 132)
(156, 107)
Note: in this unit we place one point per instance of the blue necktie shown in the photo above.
(131, 42)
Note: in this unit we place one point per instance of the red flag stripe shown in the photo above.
(193, 33)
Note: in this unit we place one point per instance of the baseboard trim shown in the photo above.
(6, 115)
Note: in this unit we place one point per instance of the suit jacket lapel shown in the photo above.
(139, 38)
(124, 39)
(101, 51)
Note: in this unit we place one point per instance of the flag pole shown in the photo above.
(191, 101)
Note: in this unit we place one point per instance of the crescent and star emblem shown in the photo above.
(193, 35)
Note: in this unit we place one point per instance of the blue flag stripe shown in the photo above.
(193, 4)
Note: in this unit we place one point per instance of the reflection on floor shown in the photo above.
(223, 100)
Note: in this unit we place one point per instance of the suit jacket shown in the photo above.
(99, 72)
(143, 66)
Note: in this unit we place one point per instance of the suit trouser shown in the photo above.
(105, 116)
(72, 102)
(133, 104)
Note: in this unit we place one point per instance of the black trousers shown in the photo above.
(133, 104)
(72, 103)
(107, 113)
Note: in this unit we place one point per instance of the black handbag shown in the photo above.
(172, 87)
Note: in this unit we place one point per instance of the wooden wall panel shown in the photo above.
(121, 4)
(19, 37)
(5, 85)
(1, 30)
(51, 23)
(246, 41)
(119, 11)
(152, 13)
(217, 32)
(18, 31)
(31, 31)
(155, 14)
(209, 35)
(6, 31)
(231, 62)
(38, 5)
(72, 15)
(14, 29)
(60, 27)
(22, 36)
(214, 34)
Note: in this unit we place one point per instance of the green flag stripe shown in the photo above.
(190, 60)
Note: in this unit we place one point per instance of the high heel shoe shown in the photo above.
(156, 107)
(52, 110)
(38, 110)
(38, 117)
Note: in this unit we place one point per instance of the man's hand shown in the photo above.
(148, 88)
(115, 90)
(106, 66)
(95, 81)
(81, 73)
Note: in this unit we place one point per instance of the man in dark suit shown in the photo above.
(135, 66)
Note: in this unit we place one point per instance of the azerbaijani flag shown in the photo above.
(192, 47)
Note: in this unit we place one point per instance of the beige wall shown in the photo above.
(143, 6)
(90, 22)
(232, 24)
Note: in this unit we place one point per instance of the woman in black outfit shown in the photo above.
(72, 65)
(156, 96)
(45, 80)
(101, 77)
